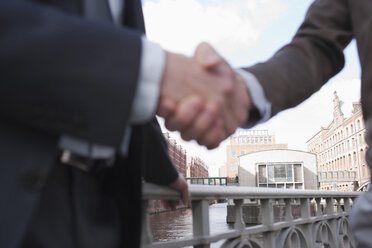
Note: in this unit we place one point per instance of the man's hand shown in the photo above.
(206, 121)
(205, 94)
(181, 186)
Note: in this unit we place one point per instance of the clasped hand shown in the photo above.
(202, 97)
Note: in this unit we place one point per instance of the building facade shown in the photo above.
(287, 169)
(222, 171)
(177, 154)
(340, 150)
(196, 167)
(247, 141)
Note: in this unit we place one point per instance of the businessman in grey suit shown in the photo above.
(302, 67)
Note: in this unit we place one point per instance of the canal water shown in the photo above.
(178, 224)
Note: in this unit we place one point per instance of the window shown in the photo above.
(297, 171)
(242, 152)
(233, 153)
(262, 177)
(280, 175)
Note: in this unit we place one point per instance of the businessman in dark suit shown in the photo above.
(79, 86)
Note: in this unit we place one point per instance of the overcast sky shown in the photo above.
(246, 32)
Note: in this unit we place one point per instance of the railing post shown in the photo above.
(347, 206)
(200, 220)
(305, 208)
(319, 211)
(267, 214)
(339, 209)
(146, 236)
(239, 221)
(288, 210)
(305, 215)
(330, 209)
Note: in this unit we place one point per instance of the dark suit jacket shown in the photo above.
(316, 54)
(62, 74)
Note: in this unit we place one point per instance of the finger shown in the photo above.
(214, 136)
(185, 194)
(185, 113)
(202, 123)
(207, 56)
(169, 204)
(181, 186)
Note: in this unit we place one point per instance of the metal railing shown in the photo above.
(327, 227)
(220, 181)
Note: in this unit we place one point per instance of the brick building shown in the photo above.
(177, 154)
(340, 148)
(196, 167)
(247, 141)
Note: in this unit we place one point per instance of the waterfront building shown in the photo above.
(340, 148)
(288, 169)
(196, 167)
(177, 154)
(247, 141)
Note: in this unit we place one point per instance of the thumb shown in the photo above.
(166, 108)
(206, 56)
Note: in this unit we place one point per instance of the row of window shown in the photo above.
(282, 185)
(338, 137)
(279, 173)
(338, 175)
(252, 140)
(342, 163)
(341, 148)
(234, 154)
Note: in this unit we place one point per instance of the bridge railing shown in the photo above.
(220, 181)
(327, 227)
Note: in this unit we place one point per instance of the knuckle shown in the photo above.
(228, 88)
(169, 125)
(186, 136)
(217, 104)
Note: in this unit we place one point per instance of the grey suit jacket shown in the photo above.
(315, 54)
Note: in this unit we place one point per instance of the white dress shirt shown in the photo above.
(147, 95)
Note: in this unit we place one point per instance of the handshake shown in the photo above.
(202, 97)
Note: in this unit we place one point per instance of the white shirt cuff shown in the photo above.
(258, 97)
(86, 149)
(148, 88)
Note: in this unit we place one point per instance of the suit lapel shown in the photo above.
(133, 16)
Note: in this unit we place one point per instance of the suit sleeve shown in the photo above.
(158, 167)
(314, 55)
(63, 74)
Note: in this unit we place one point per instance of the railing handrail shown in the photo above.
(152, 191)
